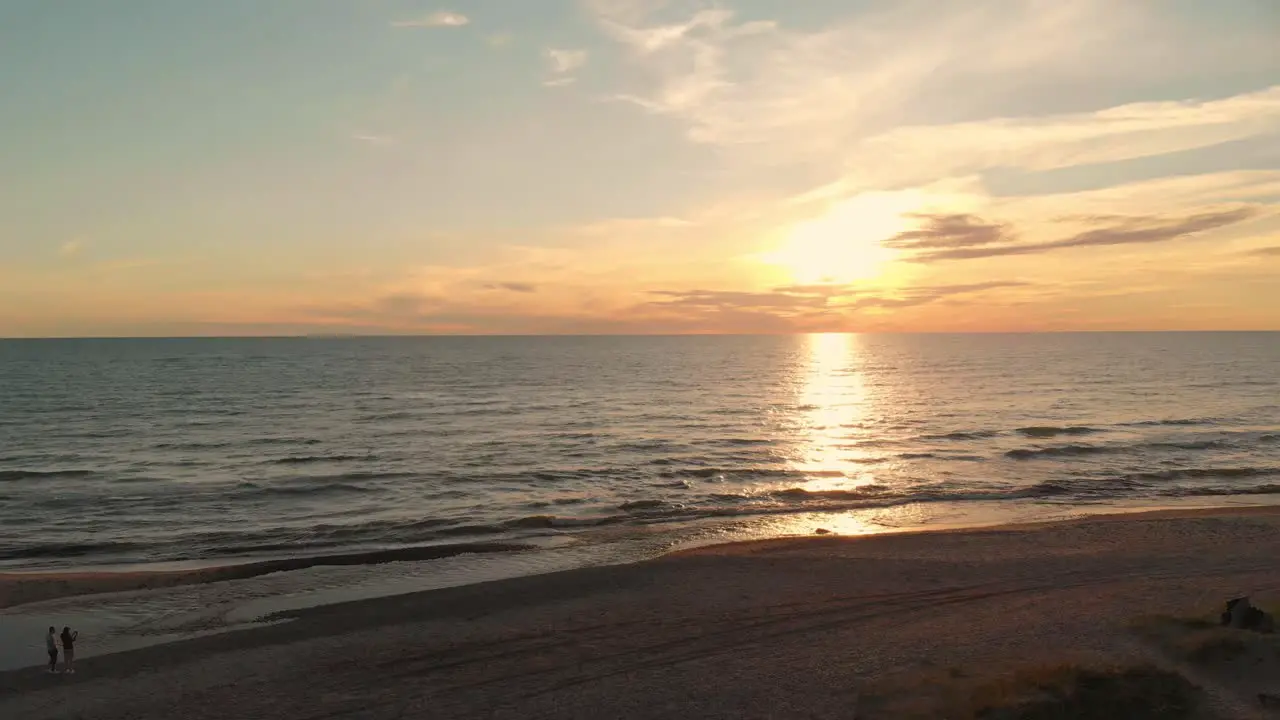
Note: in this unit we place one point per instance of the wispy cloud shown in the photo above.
(907, 92)
(499, 40)
(441, 19)
(950, 231)
(910, 154)
(721, 299)
(72, 248)
(562, 64)
(516, 287)
(566, 61)
(373, 139)
(737, 82)
(821, 297)
(1129, 232)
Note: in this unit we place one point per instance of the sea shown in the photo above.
(571, 451)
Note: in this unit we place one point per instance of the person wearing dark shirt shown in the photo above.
(69, 650)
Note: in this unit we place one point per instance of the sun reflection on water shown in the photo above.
(834, 408)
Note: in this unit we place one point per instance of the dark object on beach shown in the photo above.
(1242, 615)
(822, 531)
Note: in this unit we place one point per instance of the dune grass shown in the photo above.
(1054, 693)
(1204, 642)
(1051, 692)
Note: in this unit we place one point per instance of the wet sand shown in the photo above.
(22, 588)
(810, 628)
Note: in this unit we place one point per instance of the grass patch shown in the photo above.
(1053, 692)
(1070, 692)
(1200, 641)
(1213, 648)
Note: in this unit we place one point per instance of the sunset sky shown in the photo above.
(262, 167)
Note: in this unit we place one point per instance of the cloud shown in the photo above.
(516, 287)
(499, 40)
(380, 140)
(802, 298)
(562, 64)
(724, 299)
(1124, 132)
(908, 92)
(566, 61)
(72, 248)
(925, 295)
(950, 231)
(1266, 251)
(754, 82)
(441, 19)
(1132, 231)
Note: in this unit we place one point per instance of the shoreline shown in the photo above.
(1120, 516)
(800, 626)
(23, 588)
(26, 587)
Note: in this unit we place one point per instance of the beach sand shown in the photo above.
(824, 627)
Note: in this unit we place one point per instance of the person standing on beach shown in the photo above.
(69, 650)
(51, 644)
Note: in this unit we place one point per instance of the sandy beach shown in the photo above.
(823, 627)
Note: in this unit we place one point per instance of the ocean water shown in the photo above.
(121, 452)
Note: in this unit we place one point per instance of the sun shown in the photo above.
(846, 244)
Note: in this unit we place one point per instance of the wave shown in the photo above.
(1228, 491)
(577, 437)
(319, 484)
(16, 475)
(1061, 451)
(1083, 450)
(283, 441)
(1048, 431)
(334, 488)
(557, 521)
(308, 459)
(396, 415)
(807, 494)
(1195, 445)
(963, 435)
(737, 442)
(940, 456)
(1174, 422)
(64, 550)
(748, 473)
(1143, 483)
(642, 505)
(1049, 489)
(195, 446)
(1201, 474)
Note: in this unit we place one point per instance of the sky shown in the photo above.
(268, 167)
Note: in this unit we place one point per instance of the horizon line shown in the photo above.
(374, 336)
